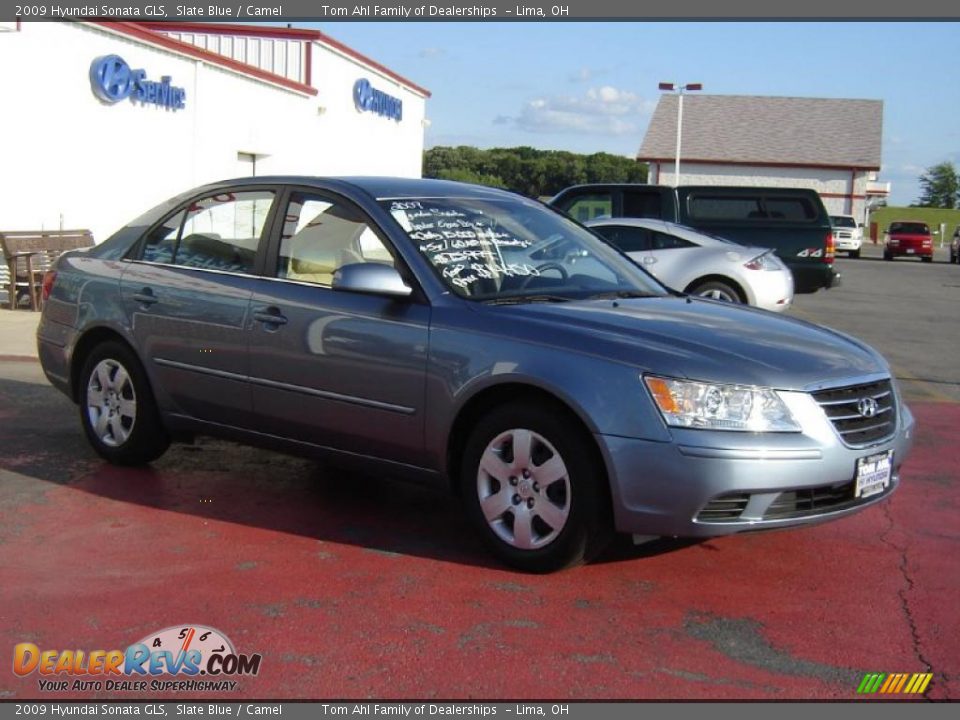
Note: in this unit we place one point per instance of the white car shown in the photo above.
(700, 264)
(847, 234)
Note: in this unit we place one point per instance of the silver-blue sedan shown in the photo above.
(475, 338)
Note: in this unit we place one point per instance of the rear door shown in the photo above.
(186, 292)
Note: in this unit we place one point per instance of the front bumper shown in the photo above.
(662, 489)
(848, 244)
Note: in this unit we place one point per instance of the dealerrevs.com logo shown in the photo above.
(179, 658)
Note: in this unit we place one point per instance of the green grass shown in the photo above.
(931, 216)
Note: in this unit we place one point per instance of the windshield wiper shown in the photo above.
(621, 294)
(521, 299)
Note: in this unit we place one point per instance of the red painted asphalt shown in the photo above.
(356, 588)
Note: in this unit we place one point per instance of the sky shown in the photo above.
(592, 87)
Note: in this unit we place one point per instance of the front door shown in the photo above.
(333, 368)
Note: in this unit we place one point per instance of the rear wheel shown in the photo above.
(716, 290)
(927, 258)
(117, 409)
(534, 490)
(855, 254)
(887, 256)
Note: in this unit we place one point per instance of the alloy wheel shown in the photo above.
(524, 489)
(111, 403)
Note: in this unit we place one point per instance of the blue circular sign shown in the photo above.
(111, 78)
(362, 94)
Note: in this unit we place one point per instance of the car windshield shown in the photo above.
(515, 249)
(843, 221)
(909, 228)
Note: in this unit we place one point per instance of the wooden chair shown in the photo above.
(30, 253)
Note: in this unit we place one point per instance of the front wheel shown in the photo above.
(533, 489)
(117, 409)
(855, 254)
(928, 259)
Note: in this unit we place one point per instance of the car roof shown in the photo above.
(380, 188)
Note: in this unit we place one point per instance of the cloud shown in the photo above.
(431, 53)
(584, 74)
(600, 110)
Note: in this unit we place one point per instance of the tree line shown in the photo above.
(528, 171)
(940, 187)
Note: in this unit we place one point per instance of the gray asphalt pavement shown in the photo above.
(907, 309)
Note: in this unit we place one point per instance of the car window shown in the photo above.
(590, 206)
(843, 221)
(219, 232)
(703, 206)
(642, 204)
(625, 238)
(909, 228)
(320, 236)
(161, 242)
(662, 241)
(503, 248)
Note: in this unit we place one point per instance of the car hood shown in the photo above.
(705, 340)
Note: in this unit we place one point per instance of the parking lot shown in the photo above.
(363, 587)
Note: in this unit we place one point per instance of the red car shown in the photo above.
(908, 238)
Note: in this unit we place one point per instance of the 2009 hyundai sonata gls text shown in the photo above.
(474, 337)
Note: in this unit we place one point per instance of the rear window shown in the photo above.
(843, 221)
(909, 228)
(588, 207)
(757, 208)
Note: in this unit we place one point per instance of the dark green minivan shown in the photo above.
(792, 221)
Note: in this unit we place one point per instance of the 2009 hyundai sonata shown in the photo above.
(476, 338)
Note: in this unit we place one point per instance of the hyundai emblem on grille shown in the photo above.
(867, 407)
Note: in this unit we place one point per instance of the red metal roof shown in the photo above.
(289, 33)
(139, 31)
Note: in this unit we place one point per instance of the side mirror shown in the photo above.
(371, 279)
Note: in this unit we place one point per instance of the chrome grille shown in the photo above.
(845, 409)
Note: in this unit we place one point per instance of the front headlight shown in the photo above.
(689, 404)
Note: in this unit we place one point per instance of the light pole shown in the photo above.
(679, 90)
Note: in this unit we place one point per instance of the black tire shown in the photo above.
(855, 254)
(927, 259)
(711, 289)
(887, 256)
(122, 439)
(582, 492)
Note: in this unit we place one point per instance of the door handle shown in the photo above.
(649, 260)
(146, 297)
(269, 316)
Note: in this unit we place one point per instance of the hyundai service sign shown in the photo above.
(367, 99)
(113, 80)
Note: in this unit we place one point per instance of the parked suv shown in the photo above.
(792, 221)
(847, 234)
(910, 239)
(955, 246)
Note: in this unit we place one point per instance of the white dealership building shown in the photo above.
(103, 120)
